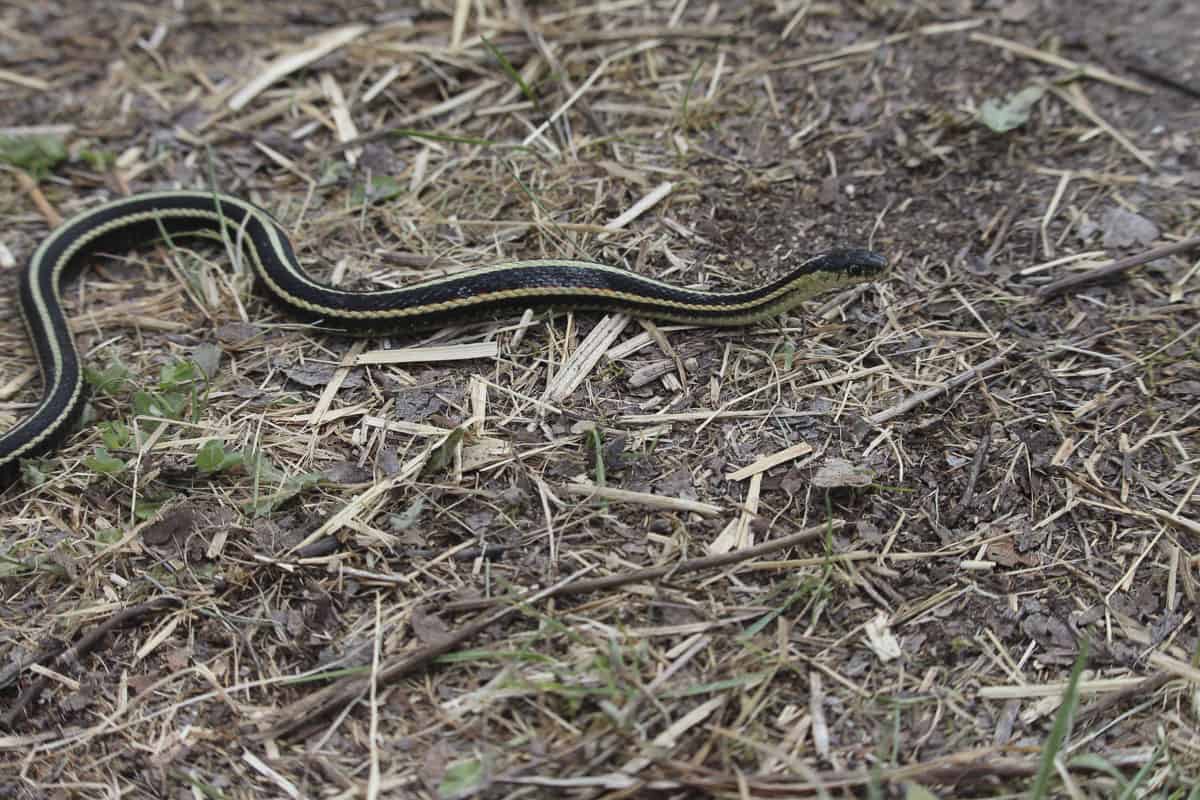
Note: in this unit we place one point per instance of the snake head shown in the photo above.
(856, 264)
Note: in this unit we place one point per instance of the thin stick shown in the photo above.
(302, 715)
(1152, 74)
(653, 573)
(1116, 267)
(35, 194)
(914, 400)
(1091, 71)
(642, 498)
(1139, 691)
(89, 642)
(299, 717)
(976, 467)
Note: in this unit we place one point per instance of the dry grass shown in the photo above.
(854, 551)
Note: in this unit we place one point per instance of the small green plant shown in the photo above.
(37, 155)
(115, 434)
(786, 353)
(376, 190)
(104, 463)
(33, 472)
(178, 386)
(263, 471)
(597, 443)
(212, 458)
(463, 778)
(99, 160)
(183, 385)
(108, 381)
(146, 506)
(442, 456)
(163, 405)
(108, 536)
(177, 374)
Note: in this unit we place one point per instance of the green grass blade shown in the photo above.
(511, 71)
(1062, 726)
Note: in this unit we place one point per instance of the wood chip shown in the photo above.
(642, 498)
(280, 68)
(429, 355)
(586, 356)
(641, 206)
(347, 131)
(773, 460)
(8, 76)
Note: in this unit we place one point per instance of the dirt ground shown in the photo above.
(935, 535)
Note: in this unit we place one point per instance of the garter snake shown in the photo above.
(463, 296)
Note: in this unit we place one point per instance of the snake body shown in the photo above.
(463, 296)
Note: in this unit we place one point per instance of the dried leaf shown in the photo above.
(881, 639)
(1012, 112)
(1123, 228)
(429, 628)
(837, 473)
